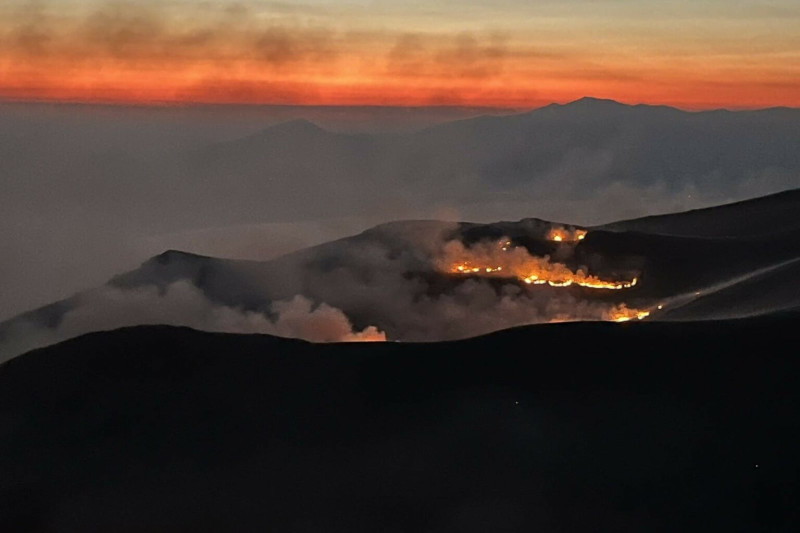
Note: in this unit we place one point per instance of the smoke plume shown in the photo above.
(183, 304)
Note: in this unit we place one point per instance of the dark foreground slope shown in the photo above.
(568, 427)
(768, 215)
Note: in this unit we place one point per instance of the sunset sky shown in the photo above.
(692, 54)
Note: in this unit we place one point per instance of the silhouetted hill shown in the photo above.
(566, 427)
(388, 277)
(770, 290)
(768, 215)
(560, 151)
(183, 178)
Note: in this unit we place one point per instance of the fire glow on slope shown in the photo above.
(622, 313)
(501, 259)
(558, 234)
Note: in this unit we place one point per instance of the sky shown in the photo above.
(111, 150)
(692, 54)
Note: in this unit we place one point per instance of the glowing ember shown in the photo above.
(369, 334)
(559, 234)
(624, 314)
(502, 260)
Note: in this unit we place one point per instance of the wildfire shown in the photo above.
(369, 334)
(559, 234)
(503, 260)
(623, 314)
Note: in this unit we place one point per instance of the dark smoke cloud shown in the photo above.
(142, 33)
(129, 32)
(466, 55)
(278, 46)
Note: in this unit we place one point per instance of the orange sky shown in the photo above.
(694, 55)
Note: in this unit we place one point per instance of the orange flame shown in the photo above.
(623, 314)
(369, 334)
(559, 234)
(502, 260)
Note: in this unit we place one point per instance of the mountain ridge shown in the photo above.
(626, 427)
(391, 277)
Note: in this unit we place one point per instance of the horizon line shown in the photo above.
(186, 104)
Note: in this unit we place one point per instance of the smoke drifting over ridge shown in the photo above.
(434, 280)
(88, 192)
(182, 304)
(393, 282)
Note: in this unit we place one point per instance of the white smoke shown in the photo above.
(298, 319)
(183, 304)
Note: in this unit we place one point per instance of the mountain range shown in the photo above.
(399, 280)
(540, 375)
(89, 191)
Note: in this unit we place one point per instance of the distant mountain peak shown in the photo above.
(297, 125)
(586, 104)
(587, 101)
(594, 99)
(591, 104)
(170, 256)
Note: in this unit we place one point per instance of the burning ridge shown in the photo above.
(504, 260)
